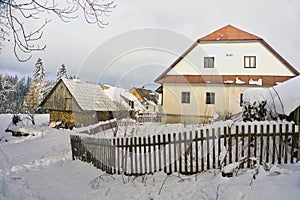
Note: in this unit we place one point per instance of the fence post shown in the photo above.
(207, 149)
(202, 150)
(140, 156)
(237, 143)
(179, 153)
(197, 153)
(154, 153)
(249, 145)
(164, 153)
(280, 143)
(214, 148)
(298, 142)
(150, 154)
(261, 144)
(219, 146)
(145, 154)
(286, 143)
(175, 153)
(135, 155)
(185, 152)
(170, 156)
(229, 145)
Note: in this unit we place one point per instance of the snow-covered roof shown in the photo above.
(283, 98)
(89, 96)
(147, 96)
(121, 96)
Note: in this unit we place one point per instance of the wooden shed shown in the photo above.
(76, 103)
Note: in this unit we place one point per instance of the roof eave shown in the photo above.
(157, 80)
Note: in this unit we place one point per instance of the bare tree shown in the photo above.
(13, 14)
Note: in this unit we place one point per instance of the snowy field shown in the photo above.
(41, 167)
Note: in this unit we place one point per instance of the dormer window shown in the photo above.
(249, 61)
(209, 62)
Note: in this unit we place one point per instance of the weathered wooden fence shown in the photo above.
(189, 152)
(150, 117)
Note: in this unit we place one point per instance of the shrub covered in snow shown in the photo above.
(255, 112)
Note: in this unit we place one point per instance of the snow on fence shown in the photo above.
(100, 126)
(190, 152)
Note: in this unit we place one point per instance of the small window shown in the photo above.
(210, 98)
(209, 62)
(131, 104)
(250, 61)
(185, 97)
(241, 99)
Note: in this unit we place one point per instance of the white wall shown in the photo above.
(266, 62)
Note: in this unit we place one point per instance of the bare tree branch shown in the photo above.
(14, 13)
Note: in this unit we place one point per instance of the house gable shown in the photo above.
(60, 99)
(228, 46)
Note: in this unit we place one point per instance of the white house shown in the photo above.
(209, 77)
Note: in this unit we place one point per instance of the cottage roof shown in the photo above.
(227, 33)
(89, 96)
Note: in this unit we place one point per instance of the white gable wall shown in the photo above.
(229, 60)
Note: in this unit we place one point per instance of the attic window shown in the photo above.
(209, 62)
(249, 61)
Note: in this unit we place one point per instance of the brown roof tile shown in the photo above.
(229, 33)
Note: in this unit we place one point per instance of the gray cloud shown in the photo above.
(87, 50)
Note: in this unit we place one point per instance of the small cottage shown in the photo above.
(76, 103)
(127, 104)
(147, 98)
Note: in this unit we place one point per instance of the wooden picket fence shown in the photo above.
(189, 152)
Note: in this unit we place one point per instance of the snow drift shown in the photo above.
(281, 99)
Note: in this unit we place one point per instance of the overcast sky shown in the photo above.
(144, 37)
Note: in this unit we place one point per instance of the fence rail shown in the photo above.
(101, 126)
(151, 117)
(189, 152)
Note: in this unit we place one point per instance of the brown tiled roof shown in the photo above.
(229, 33)
(224, 79)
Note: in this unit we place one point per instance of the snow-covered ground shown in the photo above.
(41, 167)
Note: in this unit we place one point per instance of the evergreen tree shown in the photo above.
(61, 72)
(31, 101)
(39, 75)
(12, 93)
(7, 93)
(39, 78)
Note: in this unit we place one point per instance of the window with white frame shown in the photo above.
(209, 62)
(185, 97)
(249, 61)
(210, 98)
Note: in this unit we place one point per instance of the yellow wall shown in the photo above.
(227, 99)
